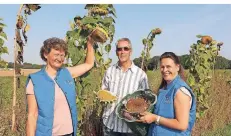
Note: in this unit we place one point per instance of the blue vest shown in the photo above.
(165, 108)
(44, 90)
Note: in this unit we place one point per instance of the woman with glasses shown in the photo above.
(51, 94)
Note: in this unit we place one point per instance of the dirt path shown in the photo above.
(24, 72)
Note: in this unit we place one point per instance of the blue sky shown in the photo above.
(180, 25)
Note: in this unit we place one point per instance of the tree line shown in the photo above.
(153, 63)
(25, 66)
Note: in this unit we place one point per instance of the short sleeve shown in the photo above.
(30, 88)
(143, 84)
(105, 82)
(186, 92)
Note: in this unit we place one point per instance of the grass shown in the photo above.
(218, 115)
(216, 122)
(225, 131)
(6, 93)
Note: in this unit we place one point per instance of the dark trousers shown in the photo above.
(108, 132)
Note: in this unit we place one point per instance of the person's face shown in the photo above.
(123, 51)
(169, 69)
(55, 58)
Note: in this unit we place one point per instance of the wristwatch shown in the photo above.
(158, 120)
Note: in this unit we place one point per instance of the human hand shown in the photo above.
(127, 115)
(147, 117)
(90, 40)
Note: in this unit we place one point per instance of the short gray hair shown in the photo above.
(124, 39)
(53, 43)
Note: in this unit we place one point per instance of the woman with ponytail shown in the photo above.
(175, 110)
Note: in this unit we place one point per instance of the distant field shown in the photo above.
(24, 72)
(216, 121)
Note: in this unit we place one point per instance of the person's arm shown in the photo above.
(32, 115)
(182, 109)
(32, 110)
(79, 70)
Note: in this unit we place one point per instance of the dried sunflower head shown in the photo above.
(99, 35)
(206, 39)
(158, 31)
(105, 96)
(136, 105)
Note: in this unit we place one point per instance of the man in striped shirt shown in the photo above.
(121, 79)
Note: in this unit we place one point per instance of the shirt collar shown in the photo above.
(43, 69)
(132, 67)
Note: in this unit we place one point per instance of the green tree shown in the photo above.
(137, 61)
(27, 65)
(222, 63)
(153, 63)
(3, 49)
(185, 61)
(230, 64)
(36, 66)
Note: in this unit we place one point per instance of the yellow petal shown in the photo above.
(27, 27)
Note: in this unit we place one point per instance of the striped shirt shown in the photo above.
(121, 83)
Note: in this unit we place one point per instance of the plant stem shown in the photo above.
(13, 128)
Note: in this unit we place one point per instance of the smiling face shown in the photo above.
(55, 58)
(169, 69)
(123, 51)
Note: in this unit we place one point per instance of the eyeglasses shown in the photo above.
(122, 48)
(59, 55)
